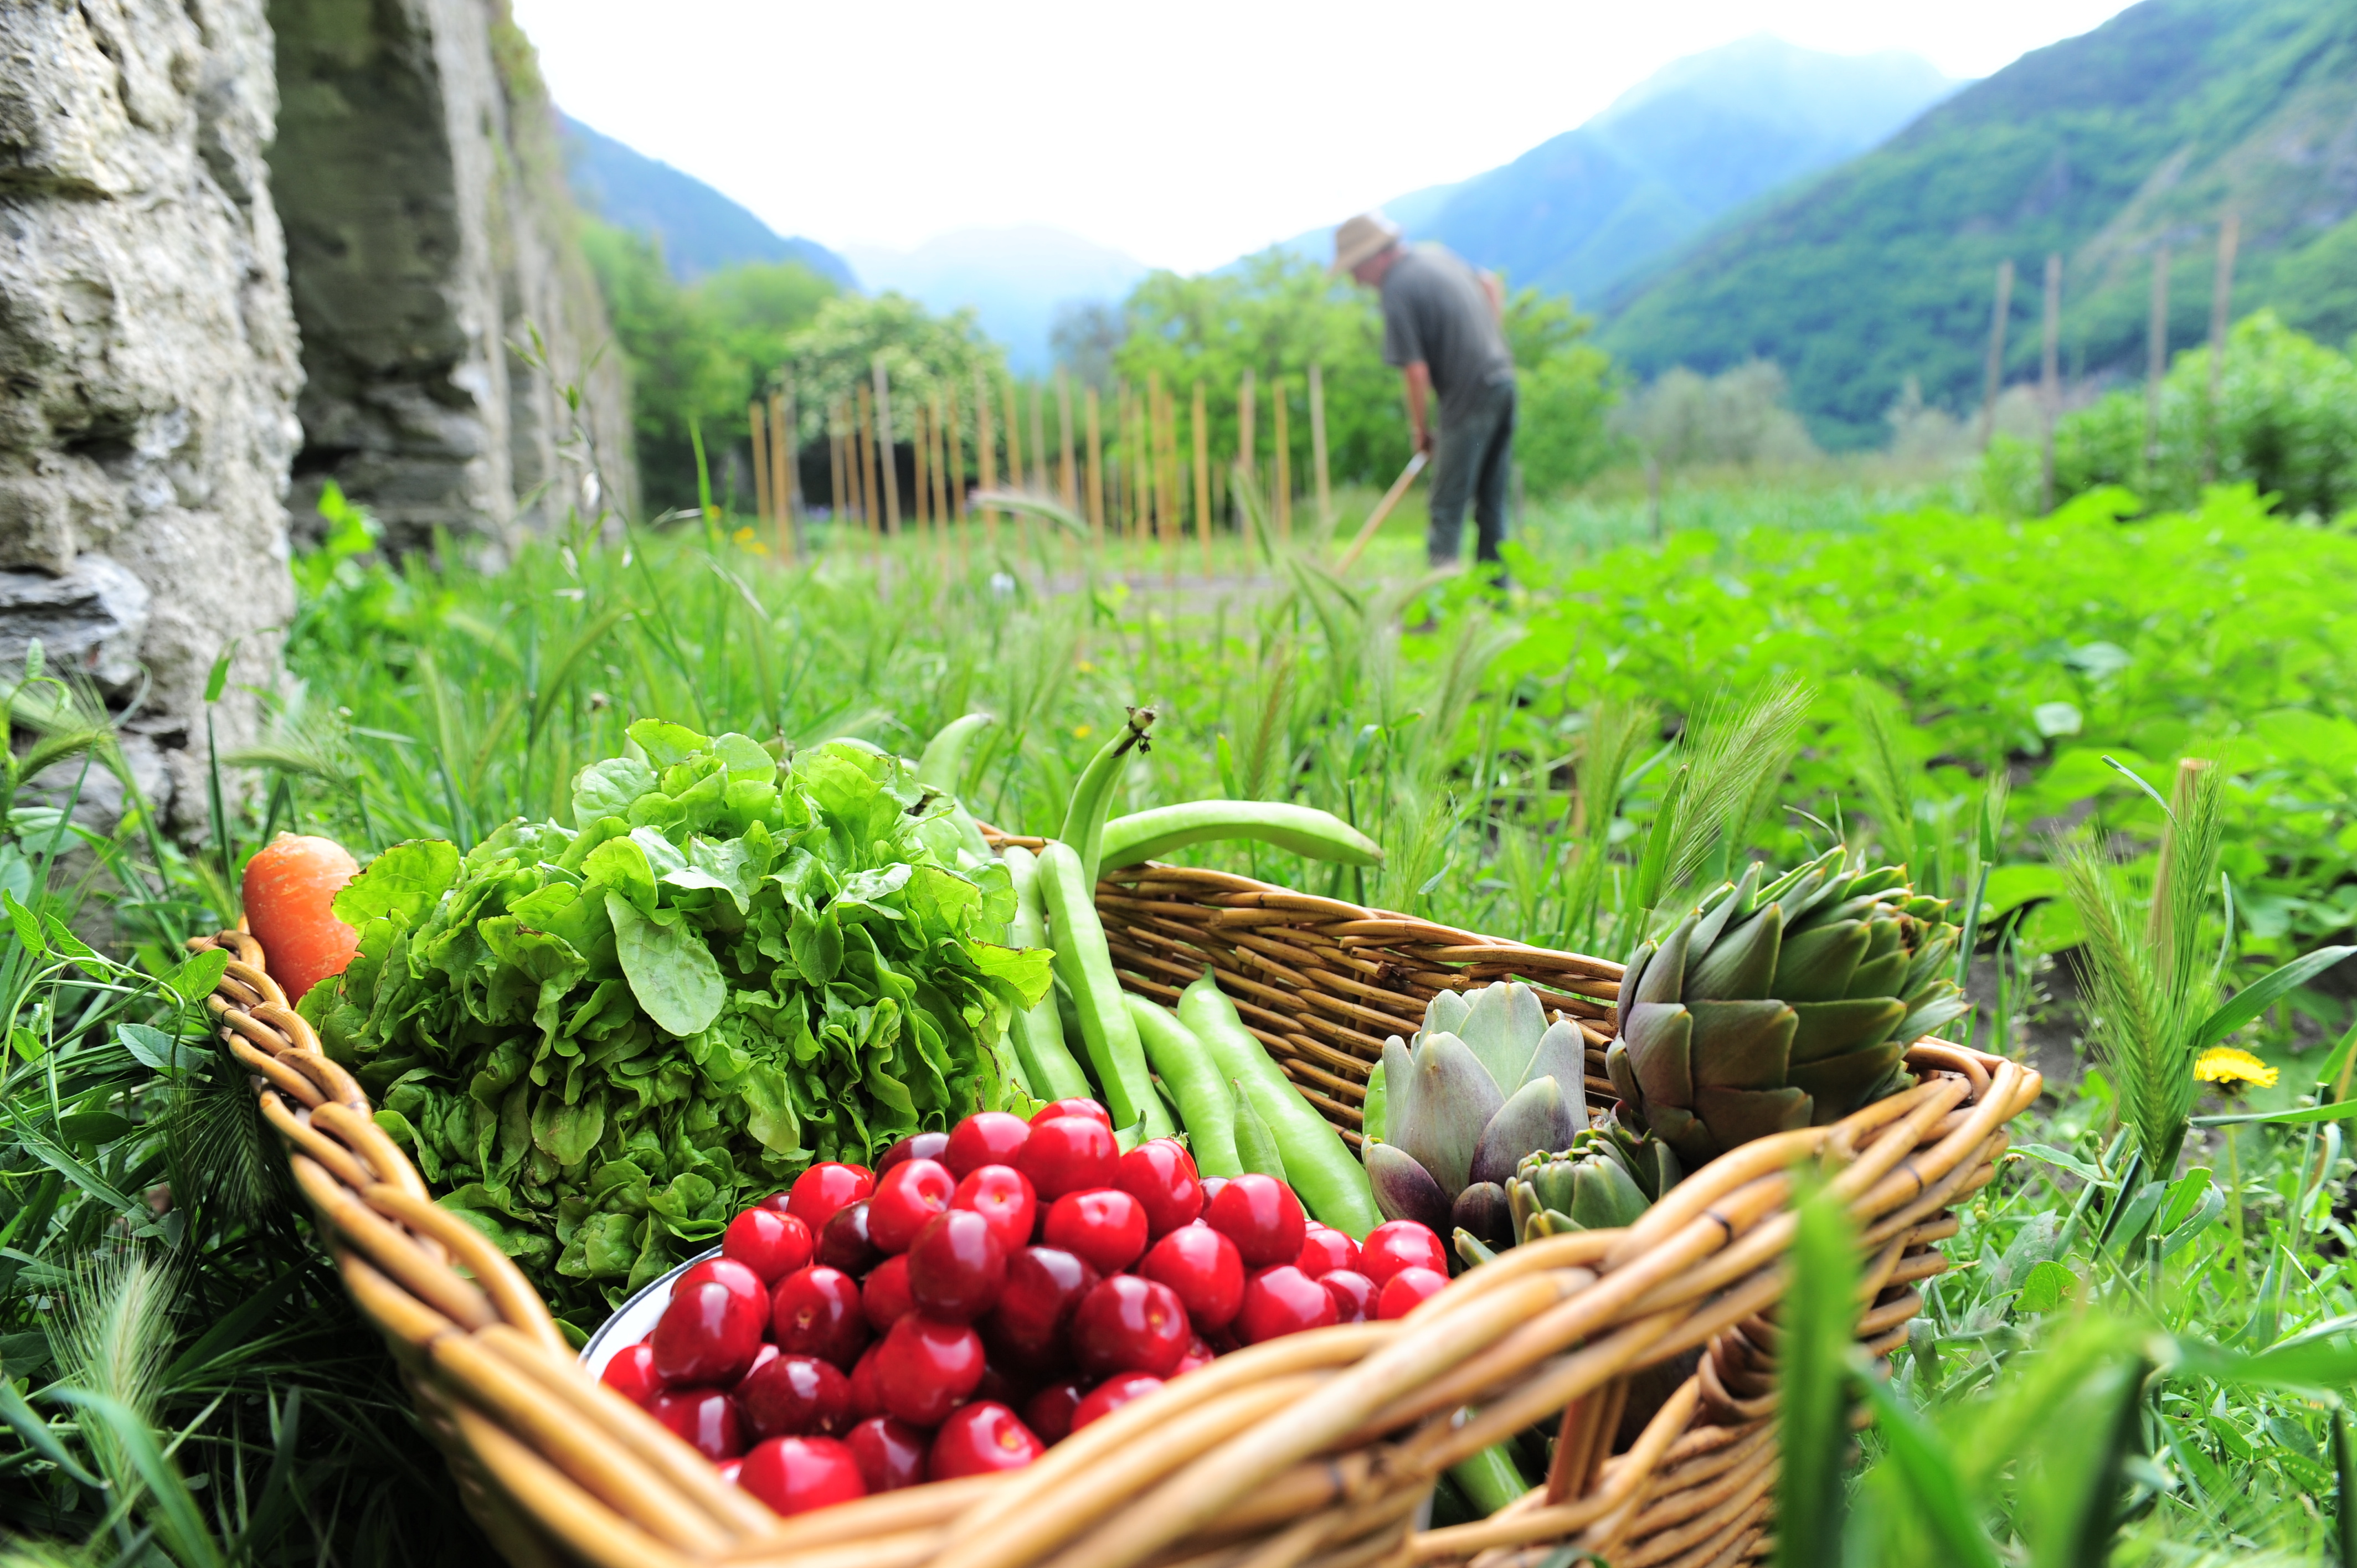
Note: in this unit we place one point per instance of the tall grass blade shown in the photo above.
(1819, 1320)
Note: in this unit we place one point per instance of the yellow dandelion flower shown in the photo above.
(1082, 731)
(2227, 1064)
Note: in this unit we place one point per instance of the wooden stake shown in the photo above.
(868, 487)
(1014, 435)
(1071, 489)
(2222, 305)
(957, 462)
(759, 426)
(884, 447)
(1203, 514)
(1097, 469)
(1284, 477)
(842, 505)
(940, 492)
(1244, 442)
(986, 455)
(2155, 360)
(1159, 516)
(1317, 447)
(783, 451)
(1124, 487)
(1039, 481)
(919, 451)
(2049, 377)
(1996, 350)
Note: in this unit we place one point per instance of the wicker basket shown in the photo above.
(1315, 1449)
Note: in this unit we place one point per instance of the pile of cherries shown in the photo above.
(863, 1332)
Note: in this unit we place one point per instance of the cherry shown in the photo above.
(846, 1244)
(985, 1138)
(884, 1296)
(1353, 1294)
(1048, 1412)
(924, 1369)
(1001, 1195)
(1075, 1107)
(729, 1272)
(1324, 1249)
(866, 1399)
(1204, 1268)
(706, 1418)
(817, 1312)
(731, 1469)
(1129, 1325)
(980, 1438)
(1105, 1225)
(999, 1384)
(891, 1453)
(1213, 1184)
(1068, 1153)
(1283, 1300)
(1162, 1176)
(795, 1474)
(1199, 1354)
(761, 1357)
(956, 1266)
(1400, 1244)
(631, 1374)
(1409, 1289)
(709, 1334)
(796, 1396)
(1111, 1395)
(1262, 1217)
(772, 1245)
(915, 1146)
(1044, 1287)
(819, 1191)
(912, 1193)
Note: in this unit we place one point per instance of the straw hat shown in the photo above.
(1367, 235)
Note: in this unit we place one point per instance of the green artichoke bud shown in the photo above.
(1781, 1006)
(1485, 1081)
(1606, 1179)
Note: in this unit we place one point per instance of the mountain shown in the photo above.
(2102, 148)
(1585, 210)
(701, 229)
(1013, 279)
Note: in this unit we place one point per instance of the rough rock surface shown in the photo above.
(429, 238)
(148, 365)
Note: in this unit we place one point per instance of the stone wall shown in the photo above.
(148, 365)
(429, 239)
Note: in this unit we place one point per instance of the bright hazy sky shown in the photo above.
(1185, 135)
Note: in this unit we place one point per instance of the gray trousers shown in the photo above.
(1477, 446)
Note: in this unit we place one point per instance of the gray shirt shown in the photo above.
(1436, 310)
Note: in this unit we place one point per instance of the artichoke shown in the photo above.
(1451, 1113)
(1781, 1006)
(1607, 1178)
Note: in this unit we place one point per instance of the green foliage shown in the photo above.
(1737, 417)
(922, 355)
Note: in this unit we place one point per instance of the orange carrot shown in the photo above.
(290, 891)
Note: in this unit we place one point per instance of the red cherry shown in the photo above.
(866, 1399)
(1001, 1195)
(1262, 1217)
(706, 1418)
(761, 1357)
(631, 1374)
(1283, 1300)
(980, 1438)
(1161, 1175)
(1204, 1268)
(1106, 1226)
(1211, 1188)
(1048, 1412)
(1075, 1107)
(999, 1384)
(1199, 1354)
(817, 1312)
(1324, 1249)
(924, 1369)
(912, 1193)
(884, 1296)
(729, 1272)
(956, 1266)
(708, 1334)
(1111, 1395)
(731, 1469)
(1044, 1287)
(846, 1244)
(915, 1146)
(795, 1474)
(1409, 1289)
(796, 1396)
(985, 1138)
(891, 1453)
(1353, 1294)
(819, 1191)
(1068, 1153)
(772, 1245)
(1400, 1244)
(1130, 1324)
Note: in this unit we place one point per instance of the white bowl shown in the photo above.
(634, 1319)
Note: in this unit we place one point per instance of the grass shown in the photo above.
(1956, 686)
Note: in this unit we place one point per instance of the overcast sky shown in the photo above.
(1185, 135)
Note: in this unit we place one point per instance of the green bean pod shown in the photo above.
(1205, 1106)
(1257, 1146)
(1489, 1480)
(944, 764)
(1329, 1179)
(1085, 819)
(1304, 830)
(1085, 965)
(1039, 1036)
